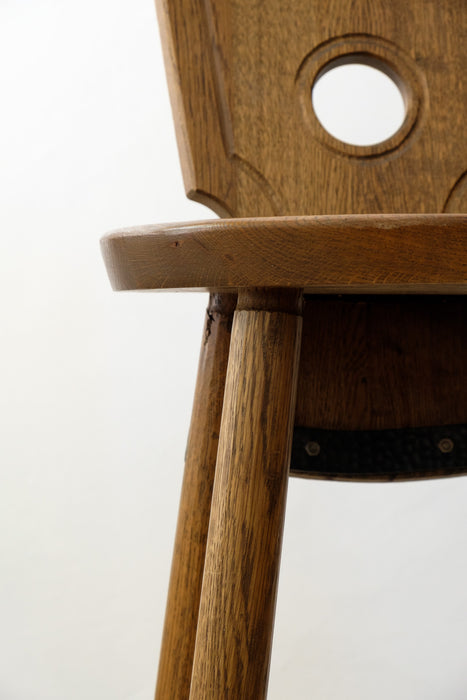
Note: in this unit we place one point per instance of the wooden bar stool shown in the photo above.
(365, 247)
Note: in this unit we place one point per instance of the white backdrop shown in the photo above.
(96, 390)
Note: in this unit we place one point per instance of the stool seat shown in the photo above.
(370, 254)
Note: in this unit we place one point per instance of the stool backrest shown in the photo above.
(241, 74)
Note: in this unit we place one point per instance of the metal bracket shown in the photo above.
(380, 455)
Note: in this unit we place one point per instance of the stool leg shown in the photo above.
(235, 625)
(178, 640)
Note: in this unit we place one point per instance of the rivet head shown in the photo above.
(312, 448)
(445, 445)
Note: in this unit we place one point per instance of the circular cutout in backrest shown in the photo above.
(398, 70)
(358, 103)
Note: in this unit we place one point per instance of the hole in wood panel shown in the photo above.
(356, 103)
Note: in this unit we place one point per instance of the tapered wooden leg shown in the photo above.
(234, 637)
(178, 640)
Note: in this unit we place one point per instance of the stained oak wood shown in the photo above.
(375, 364)
(375, 254)
(178, 640)
(241, 75)
(234, 637)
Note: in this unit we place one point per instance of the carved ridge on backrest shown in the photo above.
(262, 183)
(215, 60)
(456, 202)
(224, 116)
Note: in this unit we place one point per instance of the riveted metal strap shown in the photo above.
(380, 455)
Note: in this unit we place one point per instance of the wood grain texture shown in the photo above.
(241, 75)
(341, 254)
(234, 637)
(376, 364)
(178, 640)
(241, 80)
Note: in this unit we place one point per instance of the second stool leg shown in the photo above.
(234, 636)
(178, 640)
